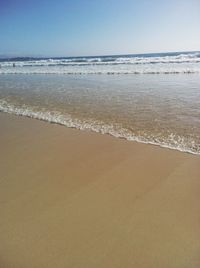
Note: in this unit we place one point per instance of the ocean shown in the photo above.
(149, 98)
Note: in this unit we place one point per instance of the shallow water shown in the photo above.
(159, 109)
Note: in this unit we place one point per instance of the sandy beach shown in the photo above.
(71, 198)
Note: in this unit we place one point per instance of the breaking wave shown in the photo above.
(165, 63)
(192, 57)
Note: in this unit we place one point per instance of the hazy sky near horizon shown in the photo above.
(98, 27)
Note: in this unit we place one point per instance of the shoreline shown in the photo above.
(75, 124)
(71, 198)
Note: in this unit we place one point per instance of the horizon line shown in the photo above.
(88, 56)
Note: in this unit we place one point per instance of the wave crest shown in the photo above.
(164, 58)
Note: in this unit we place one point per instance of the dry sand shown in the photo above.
(71, 198)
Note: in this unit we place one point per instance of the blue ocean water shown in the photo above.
(150, 98)
(176, 62)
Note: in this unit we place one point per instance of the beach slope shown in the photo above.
(71, 198)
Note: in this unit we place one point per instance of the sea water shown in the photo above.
(153, 98)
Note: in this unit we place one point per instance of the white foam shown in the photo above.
(172, 142)
(107, 60)
(164, 64)
(106, 70)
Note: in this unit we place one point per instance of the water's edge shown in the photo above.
(77, 124)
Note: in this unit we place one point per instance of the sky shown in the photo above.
(98, 27)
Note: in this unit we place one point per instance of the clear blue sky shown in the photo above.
(98, 27)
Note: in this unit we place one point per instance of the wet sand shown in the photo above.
(71, 198)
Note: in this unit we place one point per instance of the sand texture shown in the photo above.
(71, 198)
